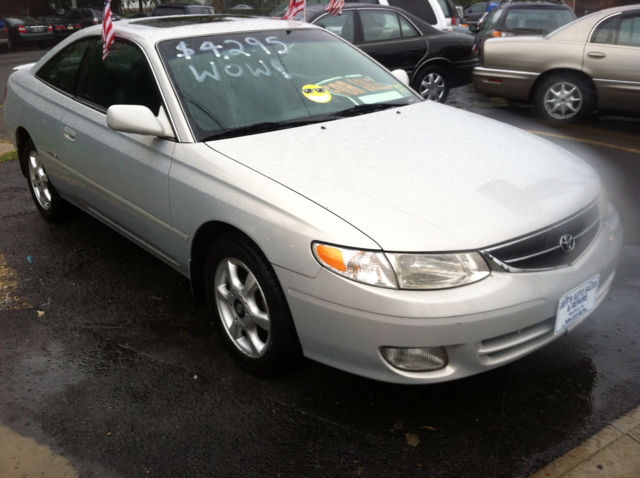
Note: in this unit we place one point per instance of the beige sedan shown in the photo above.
(592, 63)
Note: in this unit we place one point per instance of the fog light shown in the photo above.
(418, 359)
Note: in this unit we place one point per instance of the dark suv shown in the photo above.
(85, 17)
(181, 9)
(521, 18)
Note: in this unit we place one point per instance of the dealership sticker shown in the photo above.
(576, 303)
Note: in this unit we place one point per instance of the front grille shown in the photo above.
(498, 350)
(543, 249)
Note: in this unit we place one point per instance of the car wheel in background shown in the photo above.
(249, 307)
(564, 97)
(49, 203)
(432, 83)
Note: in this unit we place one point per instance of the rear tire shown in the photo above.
(45, 196)
(432, 83)
(564, 98)
(249, 308)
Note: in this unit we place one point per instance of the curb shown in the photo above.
(613, 452)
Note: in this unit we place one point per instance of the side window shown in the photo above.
(421, 9)
(123, 78)
(477, 8)
(408, 30)
(342, 25)
(629, 31)
(606, 31)
(379, 25)
(492, 20)
(62, 70)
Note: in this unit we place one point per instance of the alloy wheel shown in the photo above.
(39, 180)
(242, 307)
(432, 87)
(563, 100)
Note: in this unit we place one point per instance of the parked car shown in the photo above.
(521, 18)
(23, 31)
(61, 28)
(450, 13)
(427, 10)
(592, 63)
(475, 12)
(316, 202)
(435, 61)
(4, 38)
(86, 17)
(164, 9)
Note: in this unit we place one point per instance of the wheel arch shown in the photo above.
(441, 62)
(560, 71)
(204, 237)
(22, 136)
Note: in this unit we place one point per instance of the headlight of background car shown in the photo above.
(401, 270)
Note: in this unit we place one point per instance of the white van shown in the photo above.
(428, 10)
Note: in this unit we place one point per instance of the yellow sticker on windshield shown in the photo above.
(316, 93)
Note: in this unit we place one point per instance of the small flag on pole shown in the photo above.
(107, 29)
(295, 7)
(335, 7)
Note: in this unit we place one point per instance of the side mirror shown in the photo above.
(139, 119)
(401, 76)
(474, 27)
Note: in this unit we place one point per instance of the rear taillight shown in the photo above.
(50, 29)
(78, 27)
(22, 29)
(95, 21)
(60, 27)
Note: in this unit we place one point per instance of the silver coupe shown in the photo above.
(313, 199)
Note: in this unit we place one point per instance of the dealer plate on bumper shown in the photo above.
(576, 303)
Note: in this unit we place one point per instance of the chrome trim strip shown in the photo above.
(633, 83)
(482, 69)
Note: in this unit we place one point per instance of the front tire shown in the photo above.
(564, 98)
(433, 84)
(249, 307)
(45, 196)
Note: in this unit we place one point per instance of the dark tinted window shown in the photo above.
(123, 78)
(606, 31)
(63, 69)
(421, 9)
(160, 11)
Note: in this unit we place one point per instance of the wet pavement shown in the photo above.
(105, 359)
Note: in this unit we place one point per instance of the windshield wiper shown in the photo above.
(364, 109)
(266, 127)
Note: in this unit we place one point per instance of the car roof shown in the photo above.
(525, 4)
(150, 30)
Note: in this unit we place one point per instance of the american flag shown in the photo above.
(107, 29)
(295, 7)
(335, 7)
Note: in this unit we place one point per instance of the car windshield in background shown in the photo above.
(257, 82)
(22, 21)
(536, 20)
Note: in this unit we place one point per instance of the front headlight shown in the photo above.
(362, 266)
(402, 270)
(438, 271)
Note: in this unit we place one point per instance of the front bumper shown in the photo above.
(510, 84)
(484, 325)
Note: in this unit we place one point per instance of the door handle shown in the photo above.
(596, 54)
(413, 49)
(70, 134)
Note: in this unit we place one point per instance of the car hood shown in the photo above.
(426, 177)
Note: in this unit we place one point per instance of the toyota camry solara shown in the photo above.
(312, 198)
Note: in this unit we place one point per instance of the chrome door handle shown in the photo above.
(70, 134)
(596, 54)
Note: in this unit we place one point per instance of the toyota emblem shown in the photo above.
(567, 243)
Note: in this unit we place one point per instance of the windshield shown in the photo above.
(259, 81)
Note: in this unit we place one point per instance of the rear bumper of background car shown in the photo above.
(505, 83)
(484, 325)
